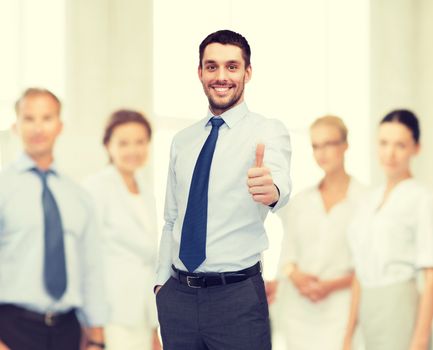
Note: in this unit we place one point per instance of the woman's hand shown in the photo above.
(316, 290)
(319, 291)
(303, 282)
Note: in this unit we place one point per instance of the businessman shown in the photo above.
(226, 173)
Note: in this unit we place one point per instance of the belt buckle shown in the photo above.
(188, 281)
(49, 319)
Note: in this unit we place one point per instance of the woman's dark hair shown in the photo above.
(407, 118)
(124, 116)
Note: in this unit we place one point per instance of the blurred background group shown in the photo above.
(355, 59)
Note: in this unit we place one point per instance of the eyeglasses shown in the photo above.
(327, 145)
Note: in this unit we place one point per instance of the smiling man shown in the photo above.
(50, 265)
(226, 173)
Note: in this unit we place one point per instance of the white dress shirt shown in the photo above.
(22, 244)
(129, 240)
(315, 240)
(391, 242)
(235, 233)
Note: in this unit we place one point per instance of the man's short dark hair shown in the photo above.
(37, 91)
(227, 37)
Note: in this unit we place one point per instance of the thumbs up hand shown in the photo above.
(260, 182)
(260, 153)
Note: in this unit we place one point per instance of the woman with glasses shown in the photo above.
(315, 260)
(391, 238)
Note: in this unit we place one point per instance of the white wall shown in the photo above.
(32, 42)
(402, 71)
(109, 66)
(424, 86)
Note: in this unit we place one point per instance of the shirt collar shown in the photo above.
(25, 163)
(231, 117)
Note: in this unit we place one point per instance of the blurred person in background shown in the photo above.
(50, 261)
(315, 261)
(391, 238)
(127, 215)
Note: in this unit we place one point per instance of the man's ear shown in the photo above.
(346, 146)
(200, 72)
(248, 73)
(61, 127)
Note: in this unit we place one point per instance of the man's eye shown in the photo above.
(211, 68)
(233, 67)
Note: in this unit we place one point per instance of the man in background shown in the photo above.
(50, 262)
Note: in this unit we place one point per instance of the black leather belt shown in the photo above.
(49, 318)
(204, 280)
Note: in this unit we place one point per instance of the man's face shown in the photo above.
(223, 75)
(38, 124)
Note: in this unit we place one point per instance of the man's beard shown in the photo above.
(224, 106)
(227, 105)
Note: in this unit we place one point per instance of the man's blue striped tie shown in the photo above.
(193, 242)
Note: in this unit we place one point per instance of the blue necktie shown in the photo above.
(193, 242)
(54, 254)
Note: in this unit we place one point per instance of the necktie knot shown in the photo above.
(42, 174)
(217, 122)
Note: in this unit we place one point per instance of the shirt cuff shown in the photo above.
(163, 275)
(273, 204)
(284, 192)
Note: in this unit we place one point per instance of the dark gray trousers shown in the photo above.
(227, 317)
